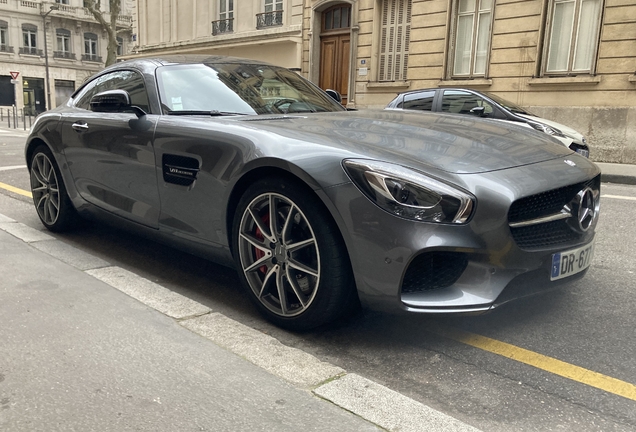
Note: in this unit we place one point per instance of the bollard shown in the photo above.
(15, 118)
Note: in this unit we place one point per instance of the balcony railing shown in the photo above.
(64, 55)
(91, 58)
(29, 4)
(6, 48)
(269, 19)
(222, 26)
(30, 51)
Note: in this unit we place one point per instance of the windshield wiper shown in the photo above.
(213, 113)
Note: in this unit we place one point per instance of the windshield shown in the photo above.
(235, 88)
(508, 105)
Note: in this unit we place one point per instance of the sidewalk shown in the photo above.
(78, 354)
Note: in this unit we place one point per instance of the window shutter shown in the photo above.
(395, 37)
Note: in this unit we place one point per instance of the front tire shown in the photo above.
(290, 255)
(49, 193)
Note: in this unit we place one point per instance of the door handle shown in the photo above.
(80, 126)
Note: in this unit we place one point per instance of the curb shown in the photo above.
(371, 401)
(618, 179)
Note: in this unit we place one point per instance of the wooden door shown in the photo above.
(335, 49)
(334, 64)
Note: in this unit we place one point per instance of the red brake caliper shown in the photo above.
(259, 235)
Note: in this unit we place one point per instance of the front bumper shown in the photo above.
(383, 247)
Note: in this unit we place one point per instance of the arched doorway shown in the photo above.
(335, 46)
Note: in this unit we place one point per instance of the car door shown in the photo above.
(110, 155)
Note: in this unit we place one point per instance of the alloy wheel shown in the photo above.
(279, 254)
(45, 189)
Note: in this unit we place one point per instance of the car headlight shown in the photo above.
(410, 194)
(547, 129)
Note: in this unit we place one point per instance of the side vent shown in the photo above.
(179, 170)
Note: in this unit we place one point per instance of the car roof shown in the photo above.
(441, 88)
(192, 59)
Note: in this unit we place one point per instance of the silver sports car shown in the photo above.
(317, 207)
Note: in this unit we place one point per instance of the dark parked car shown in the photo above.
(487, 105)
(254, 167)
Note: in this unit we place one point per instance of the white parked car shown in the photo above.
(486, 105)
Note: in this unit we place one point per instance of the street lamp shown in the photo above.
(46, 56)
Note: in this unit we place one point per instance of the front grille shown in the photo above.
(434, 270)
(546, 204)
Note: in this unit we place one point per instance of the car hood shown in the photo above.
(576, 136)
(454, 144)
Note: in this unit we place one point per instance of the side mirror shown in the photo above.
(334, 95)
(114, 101)
(479, 110)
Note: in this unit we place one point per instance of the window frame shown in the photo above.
(66, 37)
(4, 36)
(574, 39)
(31, 36)
(228, 14)
(454, 24)
(92, 39)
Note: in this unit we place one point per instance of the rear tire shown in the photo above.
(51, 200)
(290, 255)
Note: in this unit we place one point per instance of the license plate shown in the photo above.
(571, 262)
(582, 152)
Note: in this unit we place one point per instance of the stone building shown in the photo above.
(268, 30)
(573, 61)
(62, 33)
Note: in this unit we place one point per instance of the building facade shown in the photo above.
(572, 61)
(61, 33)
(268, 30)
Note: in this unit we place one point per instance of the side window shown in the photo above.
(130, 81)
(461, 102)
(419, 101)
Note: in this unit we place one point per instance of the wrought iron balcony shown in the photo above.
(64, 55)
(269, 19)
(6, 48)
(91, 58)
(30, 51)
(222, 26)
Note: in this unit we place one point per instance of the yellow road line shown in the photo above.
(15, 190)
(540, 361)
(619, 197)
(522, 355)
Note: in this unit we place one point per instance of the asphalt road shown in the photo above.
(588, 324)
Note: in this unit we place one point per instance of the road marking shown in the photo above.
(540, 361)
(7, 168)
(619, 197)
(522, 355)
(15, 190)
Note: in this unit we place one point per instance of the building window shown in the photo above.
(272, 15)
(472, 30)
(394, 40)
(90, 48)
(120, 46)
(65, 2)
(225, 23)
(29, 40)
(63, 44)
(4, 37)
(573, 36)
(338, 17)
